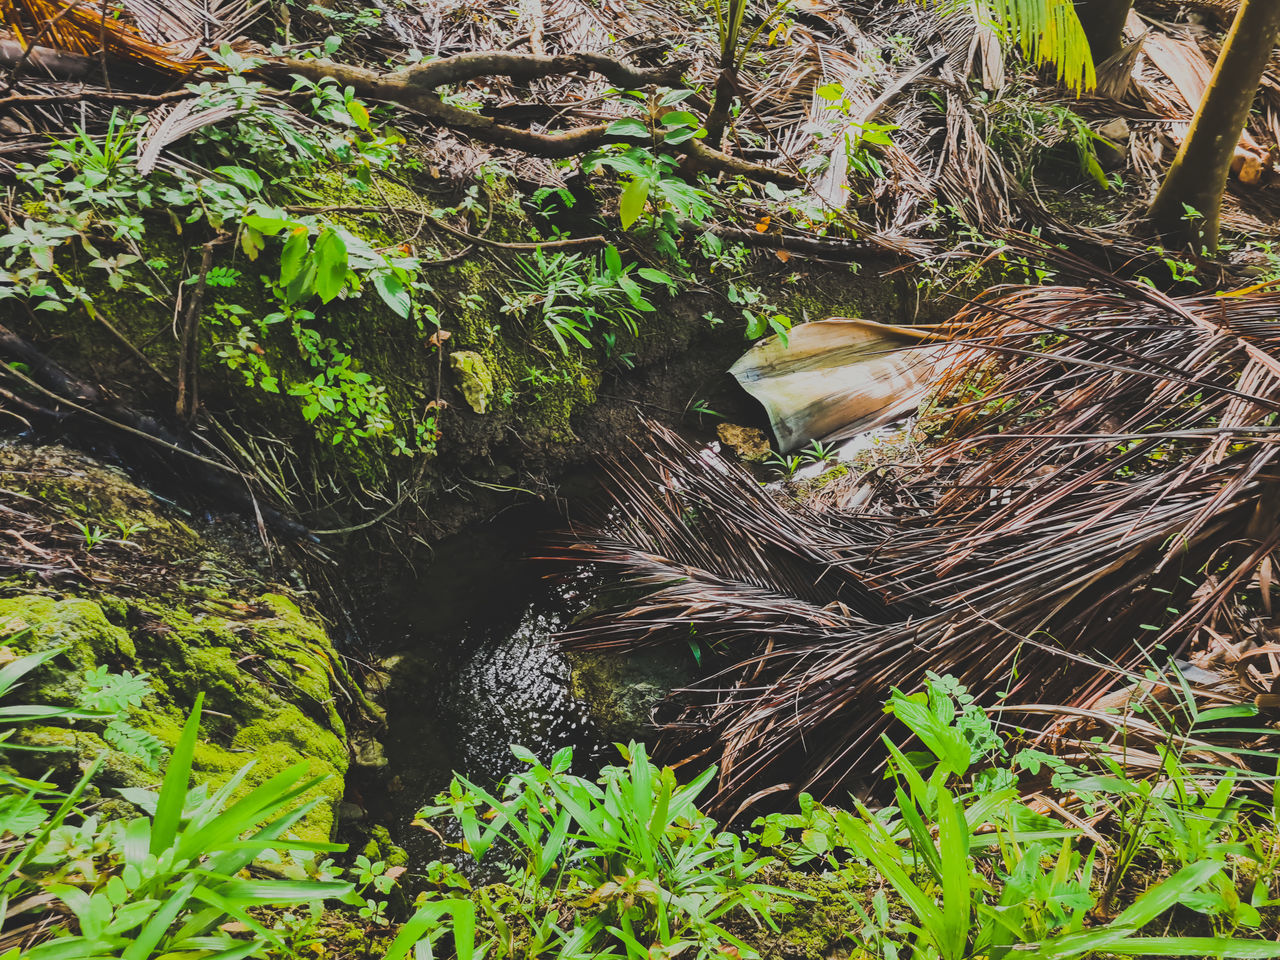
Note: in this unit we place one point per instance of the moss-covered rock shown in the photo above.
(201, 621)
(620, 692)
(474, 379)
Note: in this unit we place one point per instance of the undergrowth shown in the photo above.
(975, 856)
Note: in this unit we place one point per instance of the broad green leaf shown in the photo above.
(394, 293)
(241, 177)
(294, 254)
(330, 255)
(268, 226)
(628, 128)
(359, 114)
(632, 202)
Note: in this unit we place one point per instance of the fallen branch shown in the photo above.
(414, 88)
(530, 66)
(824, 248)
(471, 238)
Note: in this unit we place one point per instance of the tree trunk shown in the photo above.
(1103, 23)
(1198, 176)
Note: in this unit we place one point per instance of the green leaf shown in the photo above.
(1225, 948)
(613, 260)
(657, 276)
(20, 814)
(241, 177)
(251, 242)
(247, 892)
(269, 226)
(680, 118)
(632, 202)
(428, 915)
(293, 255)
(359, 114)
(177, 779)
(628, 128)
(330, 255)
(394, 293)
(1166, 895)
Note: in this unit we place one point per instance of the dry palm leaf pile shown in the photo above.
(885, 118)
(1104, 501)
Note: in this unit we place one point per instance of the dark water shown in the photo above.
(473, 669)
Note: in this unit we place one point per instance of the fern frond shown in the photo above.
(132, 741)
(113, 692)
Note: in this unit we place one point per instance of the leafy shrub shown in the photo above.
(572, 293)
(164, 882)
(630, 855)
(980, 873)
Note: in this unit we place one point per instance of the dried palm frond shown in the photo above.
(1121, 443)
(171, 123)
(835, 378)
(166, 37)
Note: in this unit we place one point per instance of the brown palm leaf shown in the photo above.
(1122, 444)
(166, 37)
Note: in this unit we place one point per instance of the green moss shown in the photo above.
(620, 692)
(380, 847)
(194, 613)
(276, 716)
(824, 925)
(474, 379)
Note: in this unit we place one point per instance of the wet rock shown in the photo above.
(367, 752)
(349, 812)
(1113, 154)
(473, 377)
(747, 443)
(621, 692)
(191, 606)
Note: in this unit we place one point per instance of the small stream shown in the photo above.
(469, 647)
(474, 669)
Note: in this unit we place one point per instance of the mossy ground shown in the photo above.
(169, 601)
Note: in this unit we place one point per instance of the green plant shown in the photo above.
(819, 452)
(129, 529)
(168, 880)
(1023, 129)
(1048, 31)
(630, 852)
(92, 533)
(981, 874)
(651, 174)
(785, 465)
(572, 293)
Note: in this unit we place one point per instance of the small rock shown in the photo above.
(368, 753)
(350, 812)
(474, 379)
(747, 443)
(1114, 154)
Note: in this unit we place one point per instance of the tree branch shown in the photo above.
(413, 88)
(529, 66)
